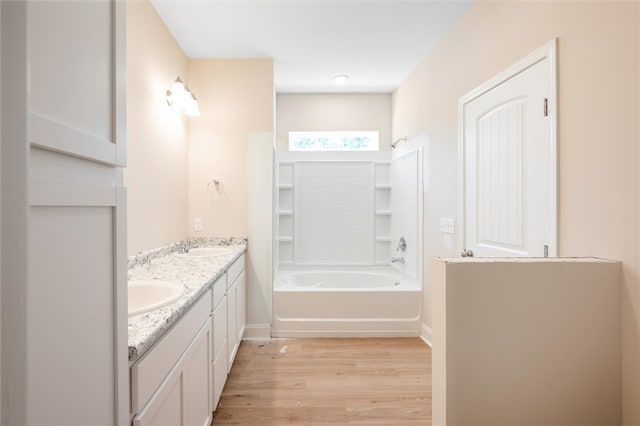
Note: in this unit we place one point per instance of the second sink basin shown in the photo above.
(206, 252)
(149, 295)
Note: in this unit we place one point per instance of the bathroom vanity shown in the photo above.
(180, 354)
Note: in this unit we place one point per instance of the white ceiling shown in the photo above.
(376, 43)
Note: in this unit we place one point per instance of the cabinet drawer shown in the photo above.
(219, 322)
(219, 289)
(234, 270)
(152, 368)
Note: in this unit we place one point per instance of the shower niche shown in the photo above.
(285, 194)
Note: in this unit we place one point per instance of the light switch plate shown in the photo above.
(197, 224)
(447, 225)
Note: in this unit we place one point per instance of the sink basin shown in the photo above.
(146, 296)
(206, 252)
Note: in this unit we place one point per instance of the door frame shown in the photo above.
(547, 51)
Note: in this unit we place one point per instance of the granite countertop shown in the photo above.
(196, 274)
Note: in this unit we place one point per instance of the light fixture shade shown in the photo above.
(180, 98)
(191, 108)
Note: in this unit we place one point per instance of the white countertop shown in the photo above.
(196, 274)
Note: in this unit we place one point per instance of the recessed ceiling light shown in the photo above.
(340, 78)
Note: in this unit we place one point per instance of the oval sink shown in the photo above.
(146, 296)
(206, 252)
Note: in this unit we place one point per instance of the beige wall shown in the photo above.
(598, 133)
(333, 112)
(156, 174)
(236, 97)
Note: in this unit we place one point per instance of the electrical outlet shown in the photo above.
(447, 225)
(197, 224)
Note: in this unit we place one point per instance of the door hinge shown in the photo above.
(546, 107)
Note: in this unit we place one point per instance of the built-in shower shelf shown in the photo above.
(285, 239)
(383, 186)
(383, 239)
(285, 212)
(285, 186)
(383, 212)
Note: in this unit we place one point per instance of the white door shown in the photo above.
(509, 162)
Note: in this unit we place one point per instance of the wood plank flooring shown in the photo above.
(328, 382)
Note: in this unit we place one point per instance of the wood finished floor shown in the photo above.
(328, 382)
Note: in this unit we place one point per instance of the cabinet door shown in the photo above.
(165, 408)
(197, 405)
(232, 334)
(219, 350)
(184, 397)
(241, 310)
(219, 374)
(64, 215)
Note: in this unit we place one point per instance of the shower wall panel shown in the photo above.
(334, 220)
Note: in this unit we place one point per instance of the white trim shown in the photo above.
(47, 191)
(121, 343)
(547, 51)
(57, 137)
(119, 73)
(343, 333)
(15, 209)
(257, 332)
(426, 335)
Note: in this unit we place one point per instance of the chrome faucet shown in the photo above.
(183, 246)
(397, 259)
(402, 245)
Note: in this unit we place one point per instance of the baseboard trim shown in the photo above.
(426, 335)
(257, 332)
(342, 333)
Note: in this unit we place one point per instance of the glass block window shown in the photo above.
(333, 141)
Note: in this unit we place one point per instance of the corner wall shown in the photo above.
(156, 173)
(598, 133)
(232, 141)
(235, 98)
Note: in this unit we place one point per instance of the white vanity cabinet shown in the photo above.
(236, 308)
(171, 383)
(228, 322)
(219, 345)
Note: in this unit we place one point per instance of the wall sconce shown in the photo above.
(179, 97)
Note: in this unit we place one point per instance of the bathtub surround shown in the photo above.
(406, 209)
(546, 334)
(334, 245)
(333, 208)
(597, 101)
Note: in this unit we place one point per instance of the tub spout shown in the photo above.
(397, 260)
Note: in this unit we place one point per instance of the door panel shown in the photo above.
(508, 155)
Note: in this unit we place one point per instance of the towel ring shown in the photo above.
(215, 187)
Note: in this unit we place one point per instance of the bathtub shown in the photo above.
(345, 302)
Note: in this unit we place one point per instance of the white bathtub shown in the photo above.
(341, 302)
